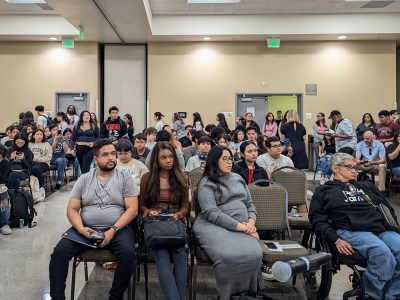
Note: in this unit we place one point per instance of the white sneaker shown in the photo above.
(41, 190)
(267, 273)
(6, 230)
(46, 294)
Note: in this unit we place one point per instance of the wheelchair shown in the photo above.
(323, 280)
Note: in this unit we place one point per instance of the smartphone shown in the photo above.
(59, 132)
(287, 143)
(96, 236)
(271, 245)
(19, 153)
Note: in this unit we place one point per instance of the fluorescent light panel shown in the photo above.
(25, 1)
(213, 1)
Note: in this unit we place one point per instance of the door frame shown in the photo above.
(260, 95)
(72, 93)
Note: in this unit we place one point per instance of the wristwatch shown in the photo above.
(115, 228)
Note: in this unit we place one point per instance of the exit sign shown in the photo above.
(68, 44)
(274, 42)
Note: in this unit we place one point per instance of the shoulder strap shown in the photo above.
(32, 210)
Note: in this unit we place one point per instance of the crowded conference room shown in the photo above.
(199, 149)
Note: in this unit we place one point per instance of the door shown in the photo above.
(79, 100)
(254, 104)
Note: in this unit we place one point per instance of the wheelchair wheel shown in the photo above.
(324, 275)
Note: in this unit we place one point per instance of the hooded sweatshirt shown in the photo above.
(113, 129)
(335, 205)
(20, 165)
(42, 152)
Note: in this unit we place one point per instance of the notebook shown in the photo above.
(73, 235)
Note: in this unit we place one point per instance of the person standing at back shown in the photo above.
(222, 122)
(178, 125)
(158, 119)
(72, 115)
(197, 121)
(113, 128)
(345, 135)
(42, 119)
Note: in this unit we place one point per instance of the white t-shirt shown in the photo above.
(134, 168)
(159, 125)
(193, 163)
(42, 120)
(270, 164)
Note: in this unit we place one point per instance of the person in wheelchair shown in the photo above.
(345, 213)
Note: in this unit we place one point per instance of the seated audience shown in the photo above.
(62, 121)
(14, 131)
(150, 133)
(198, 161)
(325, 151)
(27, 120)
(126, 163)
(252, 135)
(260, 145)
(269, 128)
(249, 122)
(192, 150)
(393, 151)
(320, 126)
(21, 158)
(186, 140)
(385, 130)
(104, 199)
(165, 136)
(173, 141)
(274, 159)
(167, 186)
(5, 208)
(247, 168)
(47, 132)
(367, 123)
(345, 135)
(140, 150)
(215, 133)
(225, 227)
(394, 115)
(8, 136)
(238, 137)
(42, 153)
(344, 213)
(208, 128)
(59, 146)
(371, 157)
(239, 123)
(224, 140)
(4, 164)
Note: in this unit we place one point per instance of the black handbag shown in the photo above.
(164, 233)
(249, 295)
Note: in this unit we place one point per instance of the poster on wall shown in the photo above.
(251, 110)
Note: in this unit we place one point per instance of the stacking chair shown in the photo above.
(194, 179)
(392, 181)
(295, 182)
(97, 255)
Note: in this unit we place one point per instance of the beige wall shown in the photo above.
(31, 74)
(354, 77)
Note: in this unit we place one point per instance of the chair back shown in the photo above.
(271, 204)
(294, 181)
(195, 177)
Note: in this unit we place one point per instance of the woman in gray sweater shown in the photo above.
(225, 227)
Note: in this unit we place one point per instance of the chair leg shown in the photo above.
(74, 266)
(194, 278)
(146, 276)
(133, 282)
(86, 272)
(130, 289)
(190, 276)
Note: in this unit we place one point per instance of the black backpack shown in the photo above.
(21, 208)
(364, 176)
(49, 122)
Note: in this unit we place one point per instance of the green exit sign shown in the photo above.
(68, 44)
(274, 42)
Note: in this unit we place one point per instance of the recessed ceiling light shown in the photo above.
(26, 1)
(53, 38)
(342, 37)
(213, 1)
(206, 38)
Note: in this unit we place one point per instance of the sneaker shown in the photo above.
(58, 185)
(6, 230)
(267, 273)
(110, 265)
(41, 190)
(46, 294)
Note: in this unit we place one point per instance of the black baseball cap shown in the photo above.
(334, 113)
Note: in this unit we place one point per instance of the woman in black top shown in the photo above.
(84, 136)
(366, 124)
(129, 124)
(222, 122)
(21, 159)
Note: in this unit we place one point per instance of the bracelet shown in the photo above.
(337, 241)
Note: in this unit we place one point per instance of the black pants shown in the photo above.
(37, 170)
(15, 178)
(122, 245)
(85, 157)
(347, 150)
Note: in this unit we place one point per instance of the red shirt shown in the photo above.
(386, 131)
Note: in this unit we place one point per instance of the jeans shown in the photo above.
(61, 163)
(37, 170)
(5, 210)
(122, 245)
(382, 251)
(85, 157)
(172, 281)
(324, 165)
(15, 178)
(396, 171)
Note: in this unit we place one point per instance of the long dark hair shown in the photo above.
(197, 118)
(28, 119)
(177, 117)
(81, 119)
(395, 142)
(222, 120)
(211, 170)
(73, 107)
(266, 118)
(323, 119)
(235, 136)
(20, 136)
(178, 184)
(33, 135)
(63, 115)
(368, 114)
(130, 120)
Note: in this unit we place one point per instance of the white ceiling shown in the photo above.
(142, 21)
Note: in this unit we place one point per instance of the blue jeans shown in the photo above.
(61, 163)
(5, 210)
(396, 171)
(77, 168)
(324, 165)
(173, 282)
(382, 251)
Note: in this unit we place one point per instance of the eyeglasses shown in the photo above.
(276, 146)
(227, 158)
(350, 167)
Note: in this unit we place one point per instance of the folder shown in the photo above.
(73, 235)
